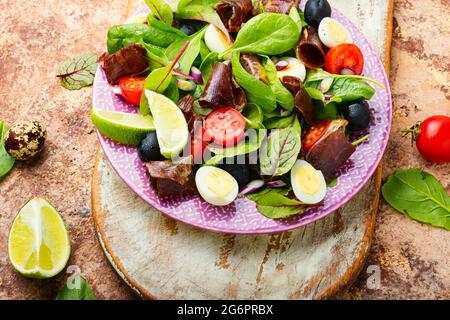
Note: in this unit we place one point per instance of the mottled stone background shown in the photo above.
(36, 36)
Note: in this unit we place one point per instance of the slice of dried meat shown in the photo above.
(234, 12)
(128, 61)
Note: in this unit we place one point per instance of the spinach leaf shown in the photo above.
(6, 161)
(328, 111)
(348, 89)
(279, 152)
(266, 33)
(283, 96)
(207, 66)
(343, 88)
(198, 109)
(156, 33)
(204, 50)
(250, 144)
(253, 116)
(159, 79)
(78, 289)
(161, 10)
(419, 195)
(278, 122)
(156, 56)
(78, 72)
(274, 203)
(299, 18)
(202, 10)
(172, 91)
(192, 51)
(257, 91)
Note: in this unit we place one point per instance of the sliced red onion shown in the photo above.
(325, 84)
(347, 72)
(197, 76)
(252, 186)
(185, 85)
(276, 184)
(327, 96)
(281, 65)
(117, 90)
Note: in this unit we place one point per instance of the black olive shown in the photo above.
(241, 172)
(148, 149)
(188, 29)
(315, 11)
(357, 115)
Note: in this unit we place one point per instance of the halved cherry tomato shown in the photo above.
(314, 133)
(225, 126)
(344, 56)
(132, 88)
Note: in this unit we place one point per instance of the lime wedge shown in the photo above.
(170, 124)
(122, 127)
(38, 245)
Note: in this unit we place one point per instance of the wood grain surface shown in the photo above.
(162, 258)
(414, 259)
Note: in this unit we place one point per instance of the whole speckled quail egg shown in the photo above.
(25, 139)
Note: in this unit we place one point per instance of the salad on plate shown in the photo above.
(239, 98)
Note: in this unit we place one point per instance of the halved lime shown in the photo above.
(170, 124)
(38, 245)
(122, 127)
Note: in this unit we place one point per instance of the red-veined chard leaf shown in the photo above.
(279, 153)
(161, 10)
(78, 72)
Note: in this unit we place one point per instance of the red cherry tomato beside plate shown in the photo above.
(433, 139)
(345, 58)
(225, 126)
(132, 88)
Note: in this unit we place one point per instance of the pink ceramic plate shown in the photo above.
(241, 217)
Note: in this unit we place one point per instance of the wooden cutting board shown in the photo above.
(161, 258)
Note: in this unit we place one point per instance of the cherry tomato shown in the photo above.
(433, 138)
(132, 88)
(343, 59)
(197, 145)
(314, 133)
(225, 126)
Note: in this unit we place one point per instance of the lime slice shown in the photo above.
(170, 124)
(38, 245)
(122, 127)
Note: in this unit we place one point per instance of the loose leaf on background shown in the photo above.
(274, 203)
(257, 91)
(76, 289)
(268, 34)
(279, 153)
(6, 161)
(78, 72)
(161, 10)
(419, 195)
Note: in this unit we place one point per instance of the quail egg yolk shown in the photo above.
(308, 180)
(337, 31)
(219, 183)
